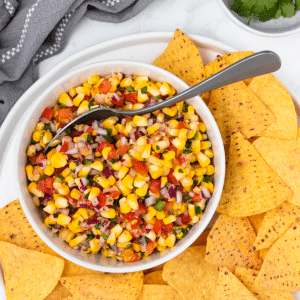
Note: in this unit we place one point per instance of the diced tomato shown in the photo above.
(89, 130)
(136, 224)
(64, 113)
(185, 219)
(114, 194)
(132, 97)
(167, 228)
(112, 154)
(181, 160)
(64, 147)
(128, 119)
(46, 185)
(135, 257)
(181, 125)
(104, 86)
(158, 226)
(103, 145)
(141, 210)
(171, 178)
(127, 254)
(102, 199)
(196, 198)
(34, 160)
(169, 206)
(140, 167)
(88, 98)
(130, 216)
(155, 186)
(117, 102)
(75, 133)
(85, 151)
(150, 247)
(173, 148)
(123, 149)
(136, 233)
(48, 113)
(121, 218)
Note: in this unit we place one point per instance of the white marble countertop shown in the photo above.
(202, 17)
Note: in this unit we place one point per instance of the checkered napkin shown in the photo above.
(33, 30)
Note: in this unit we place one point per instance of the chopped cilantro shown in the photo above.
(147, 194)
(148, 136)
(157, 148)
(43, 177)
(169, 213)
(142, 254)
(188, 144)
(180, 171)
(157, 97)
(72, 170)
(159, 205)
(68, 131)
(190, 227)
(180, 233)
(98, 226)
(128, 246)
(114, 160)
(186, 150)
(185, 198)
(144, 90)
(186, 105)
(63, 106)
(196, 182)
(89, 139)
(165, 151)
(131, 156)
(147, 239)
(86, 196)
(104, 236)
(160, 198)
(90, 237)
(56, 214)
(91, 103)
(206, 201)
(58, 178)
(48, 127)
(113, 220)
(52, 225)
(207, 179)
(177, 188)
(130, 89)
(120, 88)
(108, 137)
(87, 162)
(195, 136)
(198, 210)
(79, 222)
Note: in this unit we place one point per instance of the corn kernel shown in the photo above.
(186, 181)
(169, 155)
(132, 201)
(205, 145)
(179, 172)
(155, 161)
(107, 123)
(202, 127)
(75, 194)
(140, 121)
(136, 247)
(48, 222)
(152, 89)
(152, 212)
(169, 220)
(61, 202)
(208, 185)
(141, 192)
(153, 128)
(110, 214)
(94, 79)
(203, 160)
(170, 240)
(142, 98)
(101, 180)
(161, 248)
(160, 215)
(127, 182)
(76, 241)
(37, 135)
(63, 220)
(147, 151)
(155, 171)
(124, 237)
(124, 206)
(170, 111)
(179, 143)
(83, 107)
(122, 173)
(165, 89)
(31, 150)
(32, 188)
(210, 169)
(164, 180)
(126, 82)
(83, 90)
(67, 235)
(65, 99)
(58, 160)
(117, 230)
(209, 153)
(39, 126)
(111, 239)
(66, 172)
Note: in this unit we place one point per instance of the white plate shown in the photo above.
(139, 47)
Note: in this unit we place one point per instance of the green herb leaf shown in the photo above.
(159, 205)
(57, 214)
(144, 90)
(207, 179)
(186, 198)
(114, 160)
(87, 162)
(157, 97)
(90, 237)
(297, 4)
(195, 136)
(180, 233)
(68, 131)
(72, 170)
(86, 196)
(180, 171)
(128, 246)
(130, 89)
(43, 177)
(186, 106)
(91, 103)
(157, 148)
(287, 8)
(58, 178)
(89, 139)
(79, 222)
(187, 150)
(104, 236)
(198, 210)
(63, 106)
(48, 127)
(196, 182)
(98, 226)
(108, 137)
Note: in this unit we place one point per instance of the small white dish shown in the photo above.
(49, 98)
(272, 28)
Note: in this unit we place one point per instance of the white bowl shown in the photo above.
(272, 28)
(49, 98)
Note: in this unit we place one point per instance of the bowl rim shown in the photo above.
(47, 240)
(252, 30)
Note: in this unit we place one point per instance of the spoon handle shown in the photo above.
(254, 65)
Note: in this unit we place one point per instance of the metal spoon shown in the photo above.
(254, 65)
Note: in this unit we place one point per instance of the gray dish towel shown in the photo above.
(33, 30)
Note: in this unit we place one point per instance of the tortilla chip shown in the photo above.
(157, 268)
(283, 156)
(59, 293)
(182, 59)
(230, 244)
(202, 239)
(15, 229)
(28, 274)
(248, 278)
(233, 57)
(280, 269)
(158, 292)
(298, 132)
(191, 275)
(272, 93)
(251, 187)
(154, 278)
(256, 220)
(229, 287)
(105, 286)
(275, 224)
(235, 107)
(263, 253)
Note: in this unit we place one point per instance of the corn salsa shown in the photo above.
(121, 187)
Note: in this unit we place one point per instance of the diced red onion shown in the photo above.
(38, 147)
(142, 241)
(95, 125)
(57, 226)
(72, 151)
(205, 193)
(91, 156)
(164, 192)
(186, 213)
(78, 168)
(178, 197)
(132, 134)
(115, 96)
(52, 126)
(191, 194)
(131, 141)
(172, 192)
(83, 181)
(150, 141)
(65, 211)
(100, 98)
(84, 225)
(114, 247)
(95, 201)
(123, 141)
(148, 228)
(178, 221)
(83, 205)
(105, 225)
(93, 222)
(150, 122)
(150, 201)
(58, 148)
(123, 121)
(94, 146)
(100, 139)
(85, 128)
(94, 172)
(44, 120)
(143, 130)
(101, 131)
(81, 145)
(43, 164)
(106, 172)
(132, 172)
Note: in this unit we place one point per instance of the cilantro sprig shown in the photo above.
(265, 10)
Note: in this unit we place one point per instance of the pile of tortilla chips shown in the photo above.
(253, 249)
